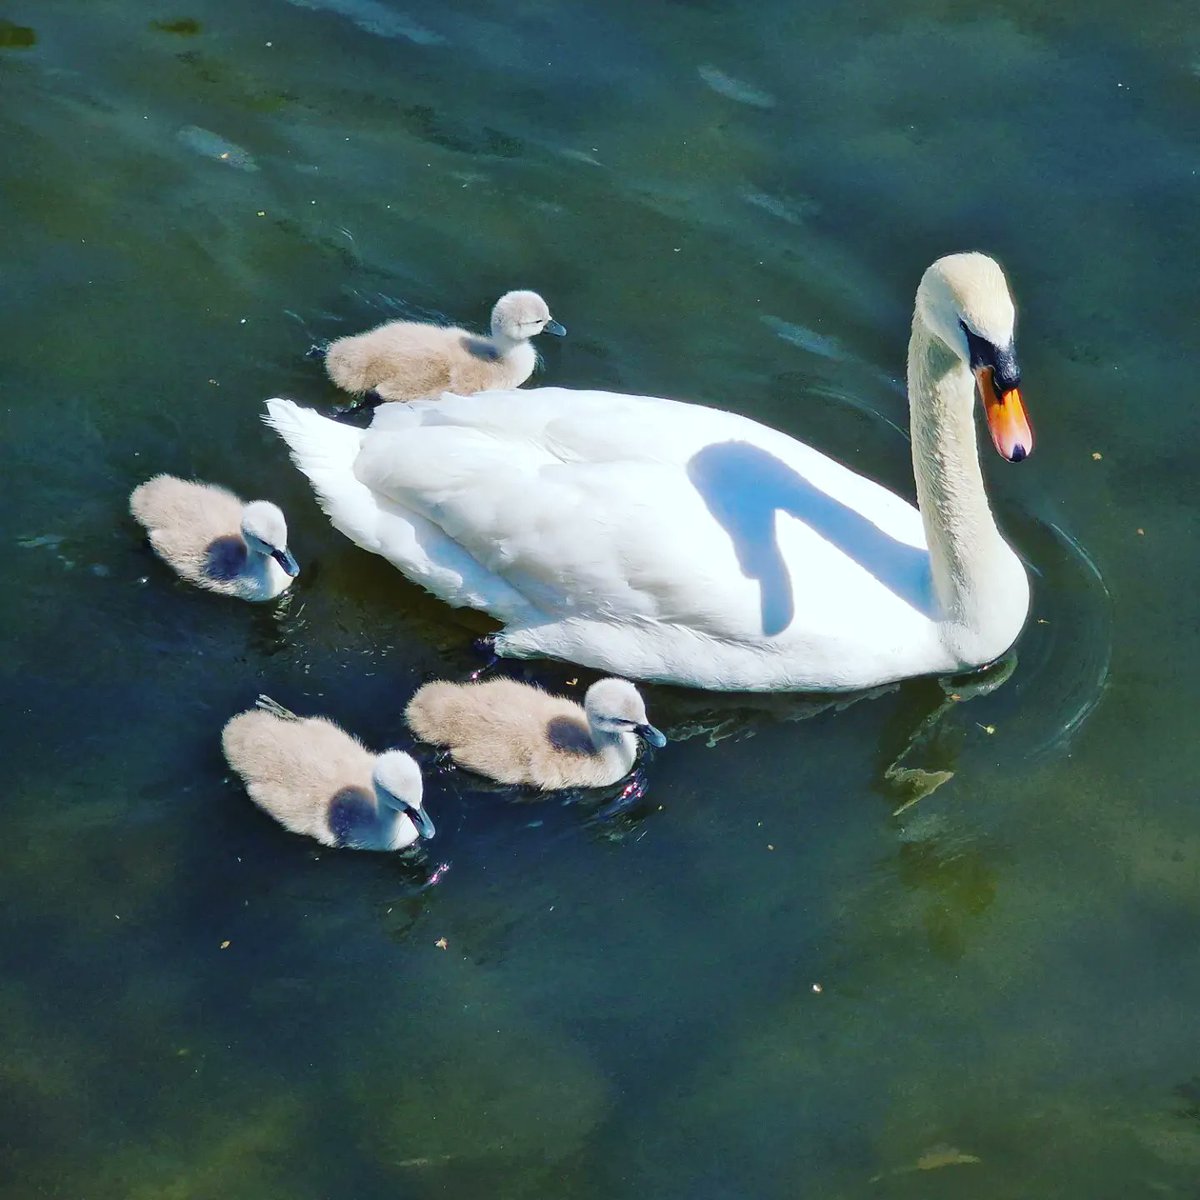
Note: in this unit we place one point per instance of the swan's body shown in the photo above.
(515, 733)
(675, 542)
(315, 779)
(412, 360)
(211, 538)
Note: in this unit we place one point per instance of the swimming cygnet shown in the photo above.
(411, 360)
(515, 733)
(211, 538)
(315, 779)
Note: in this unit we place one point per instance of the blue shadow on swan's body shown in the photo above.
(745, 486)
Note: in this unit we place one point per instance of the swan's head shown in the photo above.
(964, 299)
(265, 532)
(519, 316)
(398, 786)
(616, 706)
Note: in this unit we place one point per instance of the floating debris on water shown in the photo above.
(213, 145)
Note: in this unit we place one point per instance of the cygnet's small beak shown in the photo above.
(286, 561)
(555, 328)
(1011, 431)
(649, 734)
(420, 819)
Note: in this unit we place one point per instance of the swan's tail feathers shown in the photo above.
(325, 451)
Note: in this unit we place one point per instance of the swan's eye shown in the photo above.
(983, 353)
(1002, 359)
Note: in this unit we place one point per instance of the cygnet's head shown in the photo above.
(398, 786)
(964, 299)
(519, 316)
(265, 532)
(616, 706)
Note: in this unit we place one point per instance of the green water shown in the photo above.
(726, 203)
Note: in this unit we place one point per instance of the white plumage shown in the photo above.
(674, 542)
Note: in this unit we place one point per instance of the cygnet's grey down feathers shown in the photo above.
(515, 733)
(209, 537)
(316, 779)
(413, 360)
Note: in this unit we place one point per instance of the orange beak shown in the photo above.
(1011, 432)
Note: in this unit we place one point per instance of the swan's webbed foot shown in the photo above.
(367, 402)
(486, 647)
(982, 681)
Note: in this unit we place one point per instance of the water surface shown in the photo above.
(764, 982)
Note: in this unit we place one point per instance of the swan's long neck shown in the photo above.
(977, 578)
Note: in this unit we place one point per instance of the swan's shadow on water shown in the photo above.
(744, 487)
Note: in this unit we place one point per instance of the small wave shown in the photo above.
(213, 145)
(373, 17)
(735, 89)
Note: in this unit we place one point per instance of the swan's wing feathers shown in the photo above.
(618, 509)
(595, 539)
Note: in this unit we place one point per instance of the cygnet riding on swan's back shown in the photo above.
(209, 537)
(411, 360)
(674, 542)
(315, 779)
(517, 734)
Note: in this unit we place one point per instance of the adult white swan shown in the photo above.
(673, 542)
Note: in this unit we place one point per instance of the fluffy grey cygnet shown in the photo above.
(516, 733)
(413, 360)
(315, 779)
(209, 537)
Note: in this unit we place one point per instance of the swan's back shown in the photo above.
(295, 768)
(637, 535)
(637, 511)
(508, 731)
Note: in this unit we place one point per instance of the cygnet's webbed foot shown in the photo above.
(442, 761)
(317, 351)
(485, 647)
